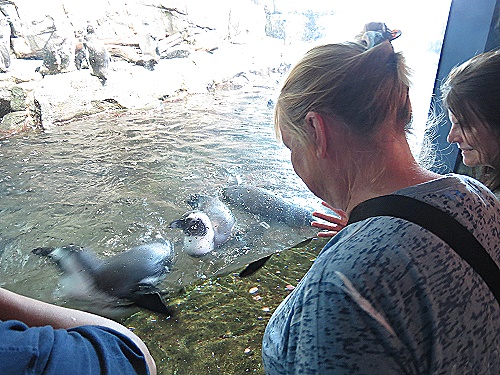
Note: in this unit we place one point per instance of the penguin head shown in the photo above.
(57, 254)
(71, 258)
(194, 223)
(90, 28)
(198, 233)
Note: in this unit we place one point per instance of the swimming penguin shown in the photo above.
(268, 205)
(207, 227)
(115, 286)
(98, 55)
(199, 234)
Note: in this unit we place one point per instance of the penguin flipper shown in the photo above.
(153, 302)
(253, 267)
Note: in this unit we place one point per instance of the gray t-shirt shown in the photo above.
(386, 296)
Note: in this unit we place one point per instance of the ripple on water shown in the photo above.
(115, 180)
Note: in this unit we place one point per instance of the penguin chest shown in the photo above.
(199, 245)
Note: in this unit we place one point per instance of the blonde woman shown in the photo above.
(385, 295)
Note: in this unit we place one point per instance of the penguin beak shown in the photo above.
(177, 224)
(42, 251)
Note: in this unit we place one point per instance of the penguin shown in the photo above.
(4, 44)
(116, 286)
(98, 55)
(148, 45)
(58, 54)
(208, 226)
(81, 53)
(267, 205)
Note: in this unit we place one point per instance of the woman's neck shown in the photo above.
(380, 172)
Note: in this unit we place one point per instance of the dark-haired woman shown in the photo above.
(471, 93)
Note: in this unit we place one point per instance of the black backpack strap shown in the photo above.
(441, 224)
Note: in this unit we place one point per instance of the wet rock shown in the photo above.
(16, 121)
(19, 109)
(22, 99)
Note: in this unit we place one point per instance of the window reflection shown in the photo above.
(186, 107)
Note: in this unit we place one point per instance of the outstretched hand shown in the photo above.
(337, 222)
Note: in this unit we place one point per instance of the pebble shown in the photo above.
(253, 290)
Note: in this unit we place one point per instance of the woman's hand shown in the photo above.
(337, 223)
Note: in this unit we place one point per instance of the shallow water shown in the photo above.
(218, 324)
(116, 180)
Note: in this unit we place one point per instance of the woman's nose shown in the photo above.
(455, 134)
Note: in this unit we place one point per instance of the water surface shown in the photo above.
(115, 180)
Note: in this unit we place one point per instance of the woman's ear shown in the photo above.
(316, 126)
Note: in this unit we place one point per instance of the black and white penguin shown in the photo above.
(98, 56)
(58, 53)
(207, 227)
(81, 53)
(115, 286)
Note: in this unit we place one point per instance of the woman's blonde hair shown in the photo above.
(362, 86)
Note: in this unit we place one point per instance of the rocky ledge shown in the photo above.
(64, 59)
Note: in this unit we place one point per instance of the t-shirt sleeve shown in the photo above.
(76, 351)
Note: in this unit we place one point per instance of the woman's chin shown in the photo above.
(470, 158)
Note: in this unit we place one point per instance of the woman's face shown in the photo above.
(478, 144)
(302, 157)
